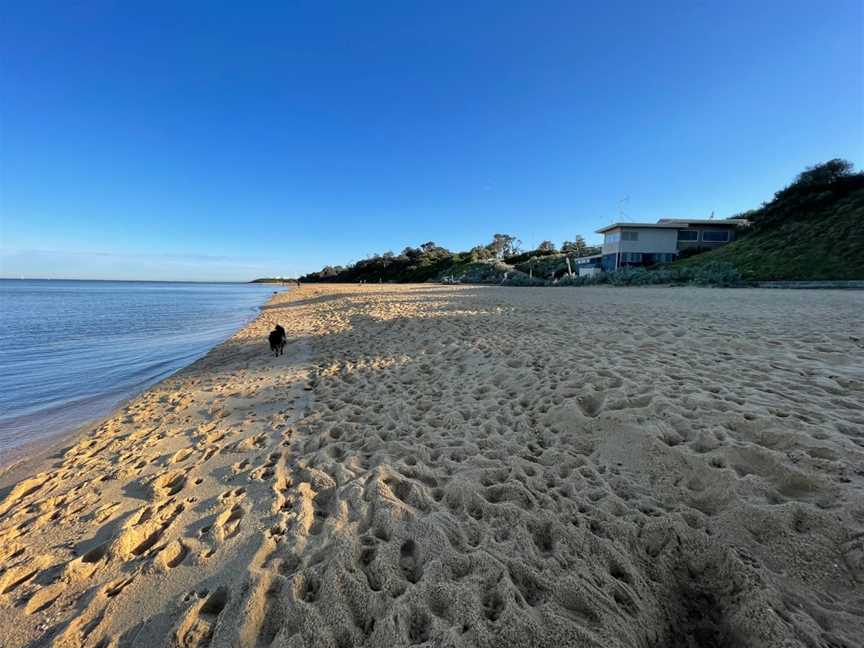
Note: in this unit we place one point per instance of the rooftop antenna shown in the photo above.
(711, 217)
(621, 211)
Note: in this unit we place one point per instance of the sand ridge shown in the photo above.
(468, 466)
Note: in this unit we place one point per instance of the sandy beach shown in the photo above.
(467, 466)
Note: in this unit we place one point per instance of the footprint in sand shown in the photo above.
(168, 484)
(196, 628)
(409, 562)
(146, 530)
(173, 554)
(17, 576)
(44, 597)
(228, 522)
(181, 455)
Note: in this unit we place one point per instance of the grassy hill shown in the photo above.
(813, 229)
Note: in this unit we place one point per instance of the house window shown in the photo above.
(664, 257)
(631, 257)
(688, 235)
(715, 236)
(614, 237)
(629, 236)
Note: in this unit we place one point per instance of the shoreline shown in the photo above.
(21, 454)
(481, 463)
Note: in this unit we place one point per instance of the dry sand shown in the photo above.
(468, 466)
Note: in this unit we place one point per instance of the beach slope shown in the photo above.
(467, 466)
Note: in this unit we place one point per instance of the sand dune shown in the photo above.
(467, 466)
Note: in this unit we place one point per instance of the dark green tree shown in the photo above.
(503, 245)
(576, 246)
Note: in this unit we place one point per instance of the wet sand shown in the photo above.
(467, 466)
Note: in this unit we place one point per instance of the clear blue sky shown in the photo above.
(224, 140)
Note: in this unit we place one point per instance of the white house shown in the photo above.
(644, 244)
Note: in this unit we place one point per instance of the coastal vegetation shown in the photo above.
(812, 229)
(489, 263)
(716, 273)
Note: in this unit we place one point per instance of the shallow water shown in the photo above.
(70, 351)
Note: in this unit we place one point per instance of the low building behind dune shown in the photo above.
(644, 244)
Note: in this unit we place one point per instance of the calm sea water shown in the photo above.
(70, 351)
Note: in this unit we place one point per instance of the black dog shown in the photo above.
(277, 340)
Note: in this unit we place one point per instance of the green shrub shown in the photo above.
(516, 278)
(630, 277)
(715, 273)
(585, 280)
(516, 259)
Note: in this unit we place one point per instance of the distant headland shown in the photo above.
(275, 280)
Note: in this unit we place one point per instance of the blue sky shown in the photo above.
(226, 141)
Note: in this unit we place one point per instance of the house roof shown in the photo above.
(703, 221)
(674, 223)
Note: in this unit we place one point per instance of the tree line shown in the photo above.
(430, 260)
